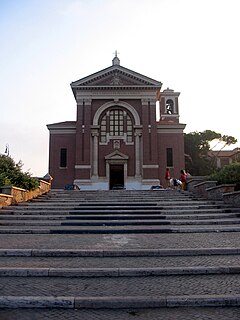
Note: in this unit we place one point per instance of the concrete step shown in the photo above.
(106, 253)
(119, 222)
(78, 211)
(116, 206)
(120, 302)
(116, 272)
(168, 313)
(149, 286)
(152, 229)
(83, 217)
(228, 263)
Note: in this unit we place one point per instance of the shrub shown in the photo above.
(11, 174)
(228, 174)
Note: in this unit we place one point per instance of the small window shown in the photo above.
(63, 157)
(169, 157)
(170, 106)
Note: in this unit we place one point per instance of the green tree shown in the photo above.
(228, 174)
(11, 174)
(197, 147)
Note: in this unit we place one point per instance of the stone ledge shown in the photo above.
(216, 192)
(117, 253)
(201, 188)
(36, 302)
(192, 182)
(115, 272)
(10, 195)
(116, 302)
(232, 198)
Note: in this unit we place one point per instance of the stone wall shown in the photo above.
(201, 188)
(232, 198)
(10, 195)
(217, 192)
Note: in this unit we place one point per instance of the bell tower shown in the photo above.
(169, 112)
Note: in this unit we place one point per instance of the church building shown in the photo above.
(116, 139)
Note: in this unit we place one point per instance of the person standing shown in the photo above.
(167, 177)
(183, 179)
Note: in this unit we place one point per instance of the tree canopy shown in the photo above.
(11, 174)
(228, 174)
(197, 147)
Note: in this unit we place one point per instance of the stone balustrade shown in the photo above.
(217, 192)
(232, 198)
(191, 183)
(10, 195)
(212, 191)
(201, 188)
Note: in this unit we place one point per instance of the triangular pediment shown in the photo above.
(116, 155)
(115, 76)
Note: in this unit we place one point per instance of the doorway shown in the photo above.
(116, 176)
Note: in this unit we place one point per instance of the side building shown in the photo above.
(116, 139)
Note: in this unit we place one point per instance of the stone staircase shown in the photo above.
(119, 250)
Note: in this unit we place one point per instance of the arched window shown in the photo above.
(116, 123)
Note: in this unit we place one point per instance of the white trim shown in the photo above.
(84, 166)
(62, 131)
(170, 130)
(150, 166)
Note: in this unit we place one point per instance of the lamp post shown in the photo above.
(7, 150)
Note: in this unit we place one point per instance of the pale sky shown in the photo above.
(191, 46)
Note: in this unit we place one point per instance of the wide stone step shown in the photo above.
(115, 206)
(121, 302)
(148, 286)
(173, 210)
(83, 217)
(219, 260)
(96, 253)
(116, 272)
(140, 313)
(157, 216)
(125, 222)
(152, 229)
(121, 211)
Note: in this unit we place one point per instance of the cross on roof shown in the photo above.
(116, 53)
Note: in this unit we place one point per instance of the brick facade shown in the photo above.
(116, 138)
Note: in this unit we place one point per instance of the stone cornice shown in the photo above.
(171, 128)
(113, 94)
(124, 87)
(62, 127)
